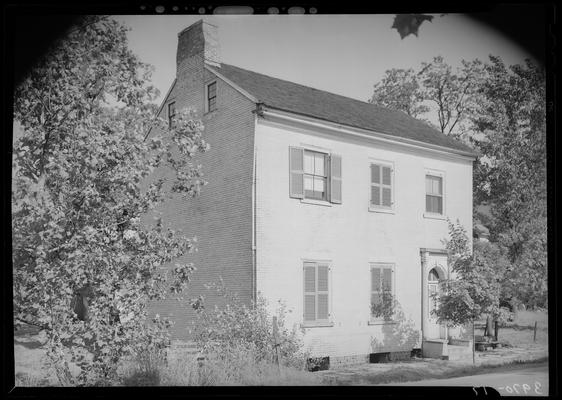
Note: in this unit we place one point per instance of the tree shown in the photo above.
(510, 175)
(473, 290)
(78, 196)
(400, 90)
(454, 95)
(434, 88)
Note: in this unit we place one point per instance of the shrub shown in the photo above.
(239, 334)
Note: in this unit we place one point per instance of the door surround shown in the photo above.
(443, 273)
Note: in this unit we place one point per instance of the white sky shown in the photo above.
(343, 54)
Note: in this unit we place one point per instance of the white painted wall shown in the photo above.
(348, 234)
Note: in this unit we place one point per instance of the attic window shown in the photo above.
(171, 113)
(211, 96)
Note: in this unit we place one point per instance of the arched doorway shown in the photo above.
(434, 276)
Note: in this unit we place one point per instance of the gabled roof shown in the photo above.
(288, 96)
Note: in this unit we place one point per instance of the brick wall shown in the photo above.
(221, 217)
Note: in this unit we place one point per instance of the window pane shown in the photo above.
(319, 185)
(376, 195)
(433, 276)
(375, 174)
(308, 183)
(434, 204)
(319, 160)
(212, 104)
(386, 175)
(437, 185)
(308, 162)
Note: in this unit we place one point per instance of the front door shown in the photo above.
(434, 329)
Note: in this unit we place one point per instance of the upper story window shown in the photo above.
(381, 186)
(211, 95)
(171, 114)
(315, 175)
(433, 194)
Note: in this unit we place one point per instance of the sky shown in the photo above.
(342, 54)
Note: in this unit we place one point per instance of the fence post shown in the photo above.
(275, 343)
(473, 344)
(496, 329)
(535, 333)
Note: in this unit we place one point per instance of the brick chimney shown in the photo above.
(198, 44)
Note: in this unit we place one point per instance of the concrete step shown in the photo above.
(459, 352)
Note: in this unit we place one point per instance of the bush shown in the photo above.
(233, 366)
(241, 338)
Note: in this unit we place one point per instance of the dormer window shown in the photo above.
(211, 95)
(171, 114)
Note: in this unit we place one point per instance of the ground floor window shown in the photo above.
(382, 292)
(316, 292)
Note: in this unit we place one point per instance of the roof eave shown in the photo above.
(287, 114)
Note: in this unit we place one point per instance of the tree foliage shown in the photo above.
(433, 89)
(474, 288)
(511, 174)
(78, 198)
(500, 111)
(400, 90)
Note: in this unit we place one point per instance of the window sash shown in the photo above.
(315, 175)
(434, 194)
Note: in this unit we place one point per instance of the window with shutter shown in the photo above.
(381, 187)
(316, 307)
(315, 175)
(434, 194)
(382, 292)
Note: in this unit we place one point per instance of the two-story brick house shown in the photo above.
(322, 201)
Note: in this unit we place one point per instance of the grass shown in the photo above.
(184, 371)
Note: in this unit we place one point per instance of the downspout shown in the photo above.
(257, 112)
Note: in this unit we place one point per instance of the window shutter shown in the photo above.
(322, 289)
(386, 173)
(296, 173)
(309, 292)
(375, 279)
(335, 179)
(387, 279)
(375, 174)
